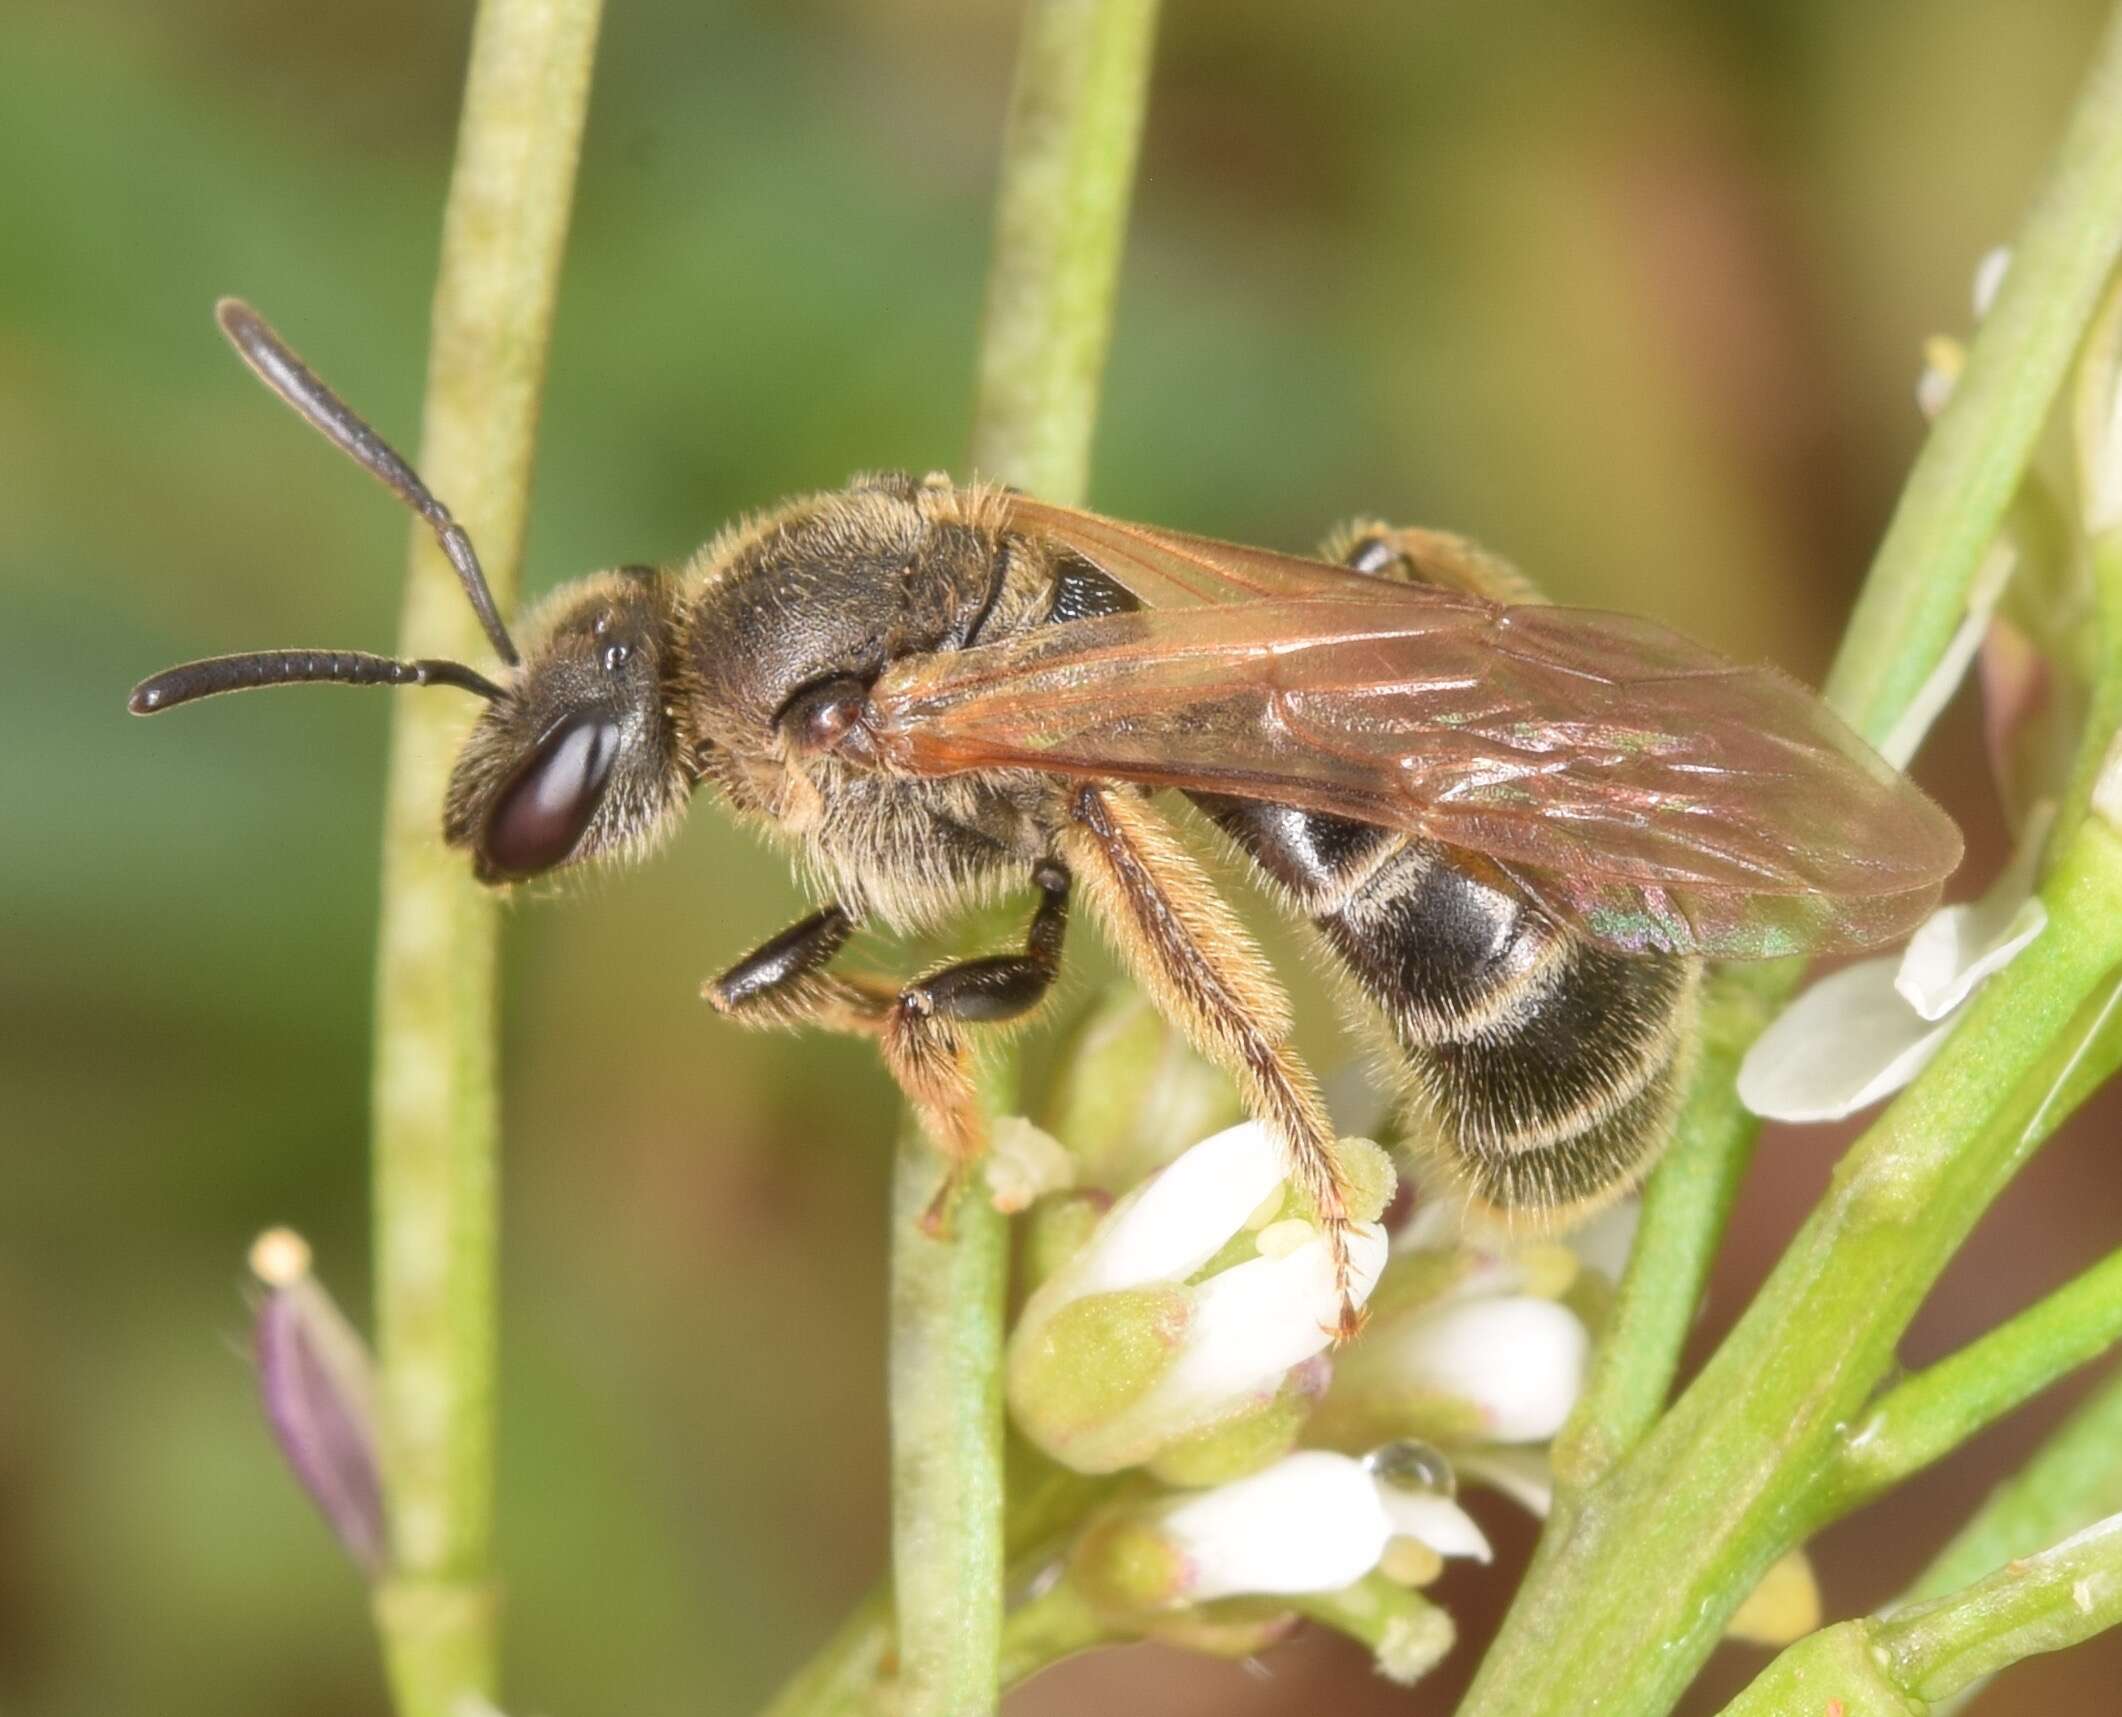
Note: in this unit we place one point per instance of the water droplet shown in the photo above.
(1407, 1463)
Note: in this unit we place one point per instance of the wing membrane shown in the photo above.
(1655, 793)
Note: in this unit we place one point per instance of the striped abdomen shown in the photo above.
(1545, 1069)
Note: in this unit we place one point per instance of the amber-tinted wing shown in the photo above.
(1653, 792)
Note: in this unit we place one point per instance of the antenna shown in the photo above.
(218, 674)
(276, 365)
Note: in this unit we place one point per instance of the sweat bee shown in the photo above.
(1520, 828)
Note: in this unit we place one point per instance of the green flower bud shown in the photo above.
(1092, 1358)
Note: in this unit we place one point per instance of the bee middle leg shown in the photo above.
(785, 983)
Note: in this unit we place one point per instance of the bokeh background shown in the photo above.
(1633, 291)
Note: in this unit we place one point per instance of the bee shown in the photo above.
(1520, 829)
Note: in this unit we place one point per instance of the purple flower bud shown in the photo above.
(313, 1377)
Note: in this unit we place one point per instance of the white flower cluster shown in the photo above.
(1189, 1335)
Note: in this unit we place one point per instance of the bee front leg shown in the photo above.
(783, 983)
(1188, 951)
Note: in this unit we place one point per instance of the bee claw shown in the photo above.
(1350, 1324)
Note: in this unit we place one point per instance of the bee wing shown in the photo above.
(1659, 796)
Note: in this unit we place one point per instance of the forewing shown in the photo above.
(1658, 795)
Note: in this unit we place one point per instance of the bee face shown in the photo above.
(583, 755)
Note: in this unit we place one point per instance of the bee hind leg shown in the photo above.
(1415, 556)
(1192, 957)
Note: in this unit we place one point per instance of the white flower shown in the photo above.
(1122, 1352)
(1517, 1360)
(1860, 1035)
(1312, 1522)
(1473, 1353)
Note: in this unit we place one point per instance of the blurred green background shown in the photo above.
(1633, 291)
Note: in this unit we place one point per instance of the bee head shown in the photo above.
(580, 757)
(576, 753)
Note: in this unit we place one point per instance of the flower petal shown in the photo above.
(1523, 1475)
(1254, 1321)
(1944, 679)
(1518, 1360)
(1312, 1522)
(1179, 1219)
(1958, 946)
(1434, 1520)
(1843, 1045)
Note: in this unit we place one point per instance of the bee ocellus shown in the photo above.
(1520, 828)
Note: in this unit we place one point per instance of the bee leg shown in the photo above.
(783, 983)
(1416, 556)
(1189, 952)
(926, 1051)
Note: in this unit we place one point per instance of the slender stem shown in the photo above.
(1068, 167)
(1061, 213)
(1913, 599)
(1928, 1415)
(2074, 1479)
(1684, 1211)
(1633, 1593)
(526, 95)
(844, 1677)
(1740, 1447)
(1957, 495)
(1056, 1624)
(1934, 1656)
(1902, 1663)
(2038, 1604)
(946, 1416)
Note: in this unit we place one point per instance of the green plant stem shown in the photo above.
(2038, 1604)
(1740, 1446)
(2074, 1479)
(1903, 1663)
(1068, 168)
(1056, 1624)
(1061, 213)
(435, 1101)
(1912, 604)
(1632, 1593)
(946, 1418)
(1971, 466)
(1928, 1415)
(1685, 1207)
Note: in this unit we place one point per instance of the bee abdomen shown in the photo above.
(1544, 1069)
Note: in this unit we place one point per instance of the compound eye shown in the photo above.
(818, 717)
(542, 812)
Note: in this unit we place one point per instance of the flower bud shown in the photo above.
(1214, 1315)
(314, 1379)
